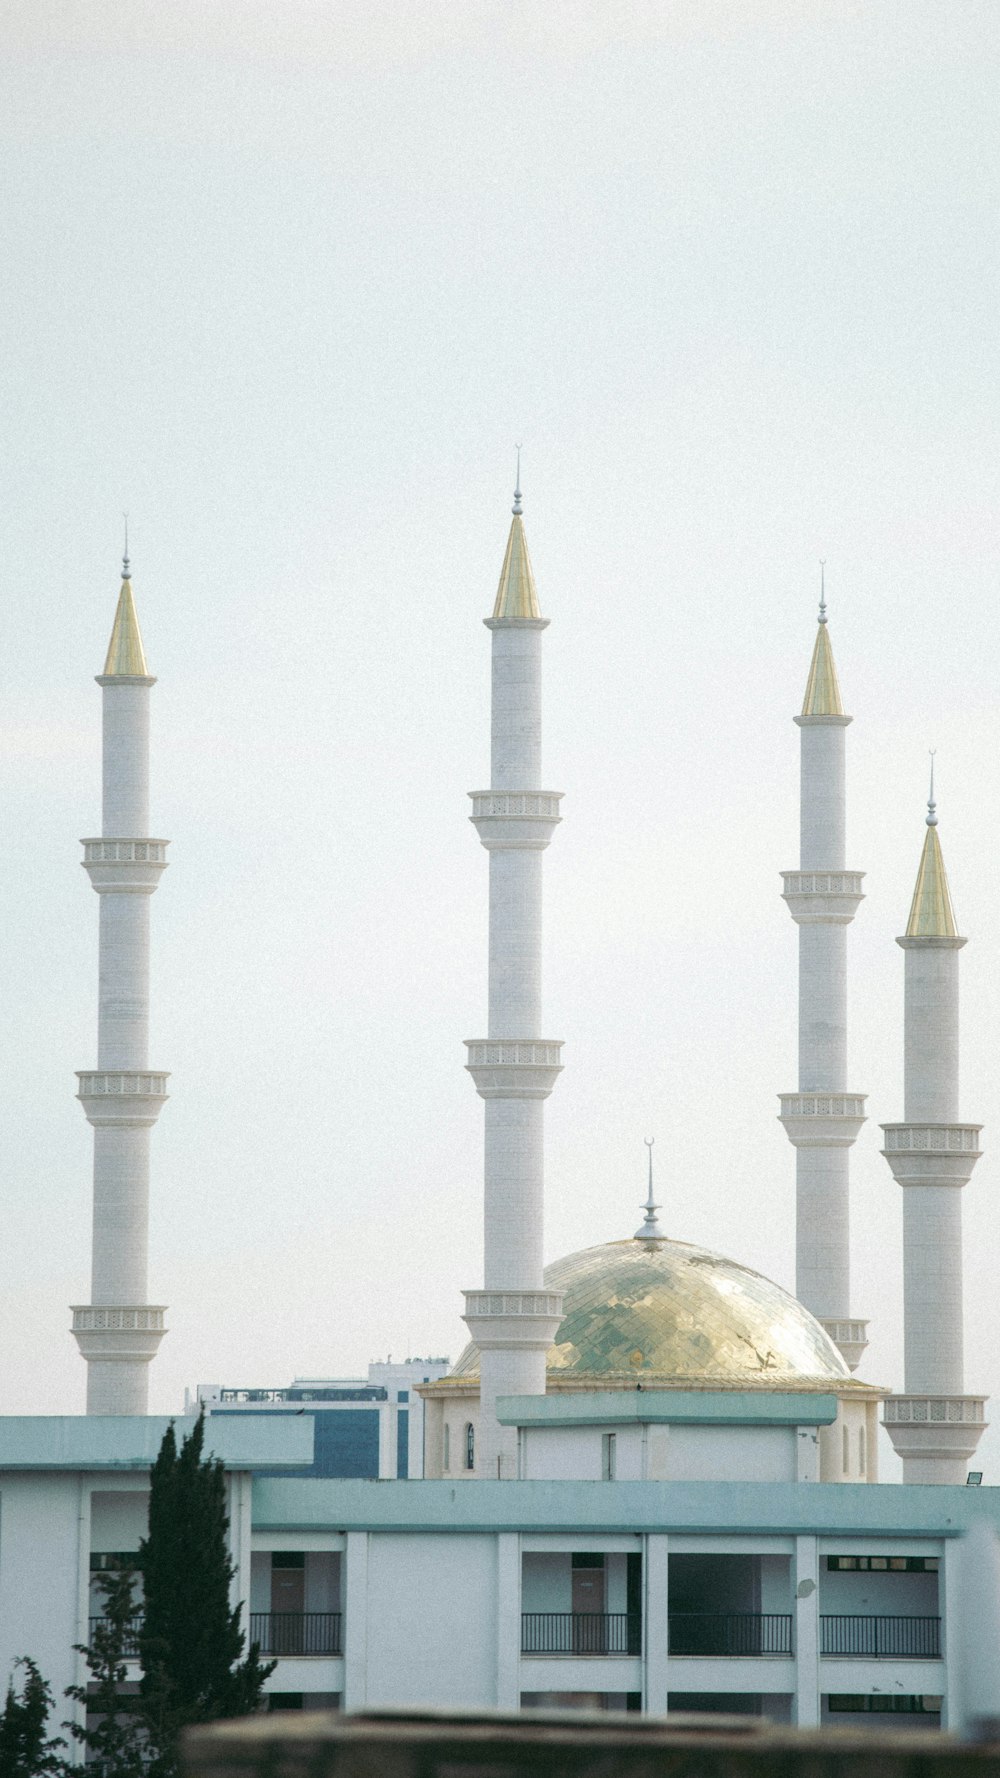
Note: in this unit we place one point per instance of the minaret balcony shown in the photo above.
(849, 1337)
(522, 820)
(822, 1120)
(828, 898)
(119, 1334)
(122, 1098)
(937, 1426)
(514, 1068)
(501, 1319)
(125, 867)
(932, 1154)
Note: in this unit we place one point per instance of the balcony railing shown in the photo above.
(130, 1641)
(881, 1638)
(731, 1633)
(296, 1632)
(581, 1633)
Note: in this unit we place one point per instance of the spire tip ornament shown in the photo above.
(650, 1229)
(516, 595)
(822, 590)
(931, 912)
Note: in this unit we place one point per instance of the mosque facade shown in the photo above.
(676, 1501)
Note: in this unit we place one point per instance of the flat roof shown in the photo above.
(682, 1407)
(890, 1509)
(113, 1441)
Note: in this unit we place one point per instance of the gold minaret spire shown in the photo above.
(931, 912)
(126, 655)
(516, 595)
(822, 688)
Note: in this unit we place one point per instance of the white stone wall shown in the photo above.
(822, 898)
(121, 1218)
(822, 1230)
(515, 996)
(514, 1197)
(515, 822)
(932, 1289)
(822, 1008)
(930, 1022)
(431, 1607)
(126, 760)
(125, 875)
(516, 706)
(822, 795)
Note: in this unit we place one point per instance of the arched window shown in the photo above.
(447, 1446)
(470, 1446)
(847, 1452)
(861, 1451)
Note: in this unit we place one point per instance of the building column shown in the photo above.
(513, 1318)
(118, 1331)
(807, 1626)
(933, 1425)
(823, 1119)
(354, 1605)
(655, 1623)
(508, 1620)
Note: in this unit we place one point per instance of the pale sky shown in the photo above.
(287, 281)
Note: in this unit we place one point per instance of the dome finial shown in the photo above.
(931, 804)
(517, 489)
(126, 570)
(650, 1230)
(822, 590)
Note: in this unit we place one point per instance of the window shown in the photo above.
(607, 1456)
(447, 1446)
(881, 1703)
(861, 1450)
(470, 1446)
(847, 1451)
(895, 1564)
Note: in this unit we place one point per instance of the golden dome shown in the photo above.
(666, 1312)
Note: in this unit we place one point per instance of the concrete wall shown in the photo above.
(663, 1453)
(852, 1458)
(119, 1519)
(44, 1574)
(732, 1453)
(878, 1594)
(431, 1610)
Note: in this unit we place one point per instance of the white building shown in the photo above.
(676, 1501)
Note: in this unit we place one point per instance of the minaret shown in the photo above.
(513, 1318)
(823, 1119)
(118, 1332)
(934, 1427)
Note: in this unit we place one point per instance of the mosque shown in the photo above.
(677, 1502)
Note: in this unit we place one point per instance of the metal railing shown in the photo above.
(296, 1632)
(130, 1641)
(881, 1638)
(581, 1633)
(731, 1633)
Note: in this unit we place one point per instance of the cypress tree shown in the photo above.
(26, 1751)
(191, 1644)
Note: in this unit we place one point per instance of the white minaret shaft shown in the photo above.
(513, 1317)
(823, 1119)
(118, 1332)
(934, 1427)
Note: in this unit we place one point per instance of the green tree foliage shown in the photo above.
(26, 1750)
(115, 1736)
(191, 1644)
